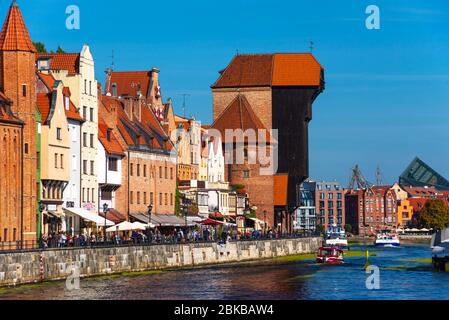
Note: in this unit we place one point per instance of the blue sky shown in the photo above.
(387, 91)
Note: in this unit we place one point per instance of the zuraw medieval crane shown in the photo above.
(358, 178)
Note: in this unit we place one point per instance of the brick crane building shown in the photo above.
(18, 100)
(276, 91)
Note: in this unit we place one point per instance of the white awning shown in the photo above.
(127, 226)
(87, 215)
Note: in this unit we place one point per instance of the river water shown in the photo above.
(404, 273)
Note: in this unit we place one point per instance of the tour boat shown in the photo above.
(330, 255)
(386, 239)
(336, 236)
(440, 250)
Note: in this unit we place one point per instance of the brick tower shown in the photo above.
(18, 83)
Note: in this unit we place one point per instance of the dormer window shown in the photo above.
(114, 89)
(108, 134)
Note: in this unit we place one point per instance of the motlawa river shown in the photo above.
(404, 273)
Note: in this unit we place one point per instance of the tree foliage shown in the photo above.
(40, 47)
(60, 50)
(320, 228)
(348, 228)
(435, 214)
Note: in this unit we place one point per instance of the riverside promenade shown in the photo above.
(59, 264)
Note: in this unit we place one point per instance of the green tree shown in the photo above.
(178, 196)
(40, 47)
(60, 50)
(435, 214)
(348, 228)
(320, 228)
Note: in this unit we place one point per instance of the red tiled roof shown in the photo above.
(14, 35)
(296, 69)
(73, 113)
(63, 61)
(421, 192)
(127, 82)
(147, 132)
(112, 146)
(279, 69)
(239, 115)
(280, 188)
(44, 105)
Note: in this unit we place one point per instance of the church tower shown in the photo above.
(18, 83)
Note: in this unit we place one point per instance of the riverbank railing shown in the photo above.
(79, 243)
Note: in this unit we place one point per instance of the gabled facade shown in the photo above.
(149, 169)
(17, 84)
(77, 71)
(187, 141)
(369, 211)
(55, 153)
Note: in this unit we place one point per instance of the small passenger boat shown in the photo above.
(330, 255)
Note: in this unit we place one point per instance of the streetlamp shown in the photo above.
(150, 209)
(105, 211)
(265, 223)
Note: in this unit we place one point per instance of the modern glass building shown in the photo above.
(419, 174)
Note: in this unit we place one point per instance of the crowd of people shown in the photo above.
(154, 236)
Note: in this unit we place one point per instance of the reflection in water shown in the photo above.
(402, 277)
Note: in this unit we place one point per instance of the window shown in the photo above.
(151, 197)
(166, 199)
(88, 194)
(24, 90)
(246, 174)
(26, 148)
(91, 114)
(114, 89)
(84, 166)
(171, 173)
(84, 112)
(131, 169)
(171, 199)
(138, 197)
(138, 170)
(330, 195)
(92, 140)
(131, 198)
(14, 234)
(58, 133)
(166, 173)
(84, 195)
(90, 87)
(92, 165)
(160, 172)
(5, 234)
(112, 164)
(321, 195)
(106, 195)
(62, 161)
(56, 160)
(160, 198)
(93, 195)
(85, 86)
(84, 139)
(145, 171)
(145, 198)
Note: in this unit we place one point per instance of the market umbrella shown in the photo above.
(142, 226)
(124, 226)
(211, 222)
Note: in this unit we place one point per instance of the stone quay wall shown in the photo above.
(58, 264)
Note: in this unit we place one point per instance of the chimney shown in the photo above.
(107, 88)
(108, 134)
(128, 103)
(137, 108)
(155, 74)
